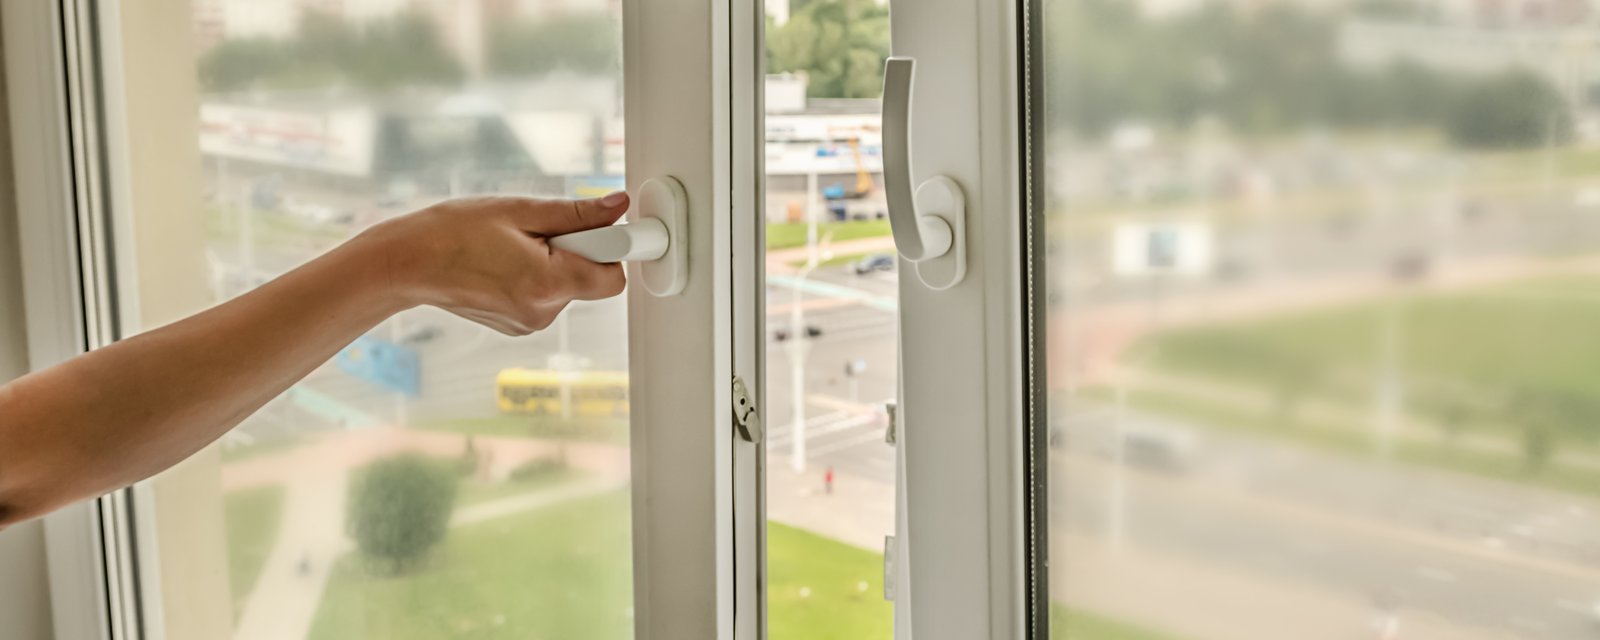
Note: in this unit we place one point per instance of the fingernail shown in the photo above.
(614, 199)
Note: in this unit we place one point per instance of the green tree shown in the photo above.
(583, 42)
(400, 508)
(234, 65)
(1269, 71)
(326, 51)
(839, 44)
(1509, 110)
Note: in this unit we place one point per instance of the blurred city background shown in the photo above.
(1321, 278)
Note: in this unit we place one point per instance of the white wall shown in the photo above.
(24, 588)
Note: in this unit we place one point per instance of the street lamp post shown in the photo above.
(1116, 515)
(797, 350)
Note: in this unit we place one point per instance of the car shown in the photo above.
(874, 262)
(1159, 447)
(425, 333)
(782, 334)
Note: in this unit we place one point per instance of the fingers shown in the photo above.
(555, 217)
(585, 280)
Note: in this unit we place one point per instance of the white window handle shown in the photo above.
(655, 239)
(929, 224)
(642, 240)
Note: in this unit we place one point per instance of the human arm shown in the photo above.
(119, 414)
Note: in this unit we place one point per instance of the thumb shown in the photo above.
(556, 217)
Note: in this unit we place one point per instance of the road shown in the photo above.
(1297, 517)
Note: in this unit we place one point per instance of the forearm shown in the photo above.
(119, 414)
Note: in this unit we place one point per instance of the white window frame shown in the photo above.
(969, 434)
(54, 139)
(966, 425)
(698, 522)
(697, 558)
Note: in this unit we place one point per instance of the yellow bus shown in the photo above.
(538, 392)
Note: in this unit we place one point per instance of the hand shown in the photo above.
(486, 259)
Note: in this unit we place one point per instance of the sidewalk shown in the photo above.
(284, 601)
(860, 512)
(1101, 332)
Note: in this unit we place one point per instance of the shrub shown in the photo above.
(400, 508)
(1511, 110)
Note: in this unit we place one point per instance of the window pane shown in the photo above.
(1322, 296)
(831, 296)
(436, 479)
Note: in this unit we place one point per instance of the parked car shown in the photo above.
(874, 262)
(420, 335)
(1155, 446)
(782, 334)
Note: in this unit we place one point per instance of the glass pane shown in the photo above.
(436, 479)
(831, 295)
(1322, 296)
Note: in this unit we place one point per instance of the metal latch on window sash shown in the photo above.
(892, 409)
(745, 416)
(888, 568)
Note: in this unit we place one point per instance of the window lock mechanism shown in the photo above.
(745, 416)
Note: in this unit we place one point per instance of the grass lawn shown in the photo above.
(473, 492)
(614, 430)
(1354, 440)
(555, 573)
(1476, 352)
(820, 589)
(1077, 624)
(251, 517)
(563, 573)
(787, 235)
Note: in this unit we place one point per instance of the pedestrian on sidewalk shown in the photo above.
(117, 415)
(827, 480)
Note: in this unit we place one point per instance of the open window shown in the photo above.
(834, 360)
(581, 482)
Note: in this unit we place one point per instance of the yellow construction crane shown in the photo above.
(863, 178)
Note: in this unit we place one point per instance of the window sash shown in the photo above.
(687, 477)
(964, 418)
